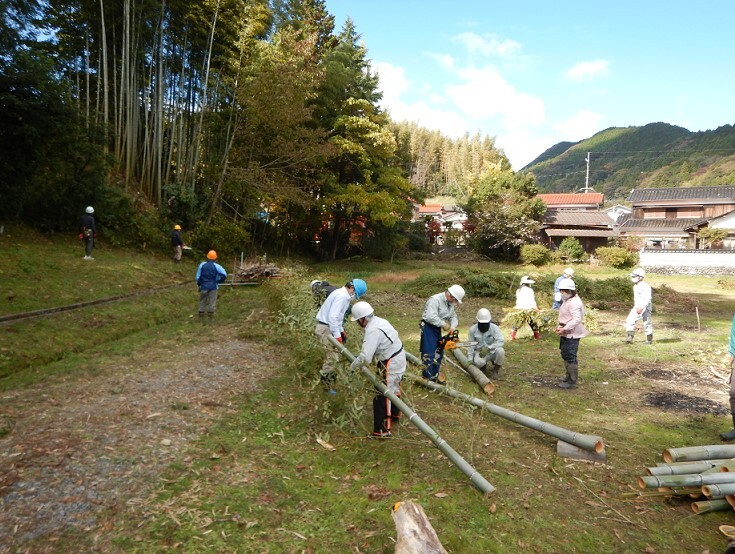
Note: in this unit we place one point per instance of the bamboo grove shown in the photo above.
(248, 121)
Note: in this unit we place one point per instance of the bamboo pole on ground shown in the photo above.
(591, 443)
(698, 453)
(705, 506)
(682, 468)
(691, 480)
(474, 371)
(475, 478)
(718, 491)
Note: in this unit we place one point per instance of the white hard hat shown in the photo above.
(526, 280)
(569, 271)
(314, 282)
(360, 310)
(567, 284)
(639, 272)
(483, 315)
(89, 210)
(457, 292)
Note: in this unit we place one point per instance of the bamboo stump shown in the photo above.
(415, 533)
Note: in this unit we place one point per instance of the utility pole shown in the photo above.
(587, 187)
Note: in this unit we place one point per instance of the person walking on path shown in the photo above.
(382, 344)
(87, 231)
(177, 243)
(570, 329)
(209, 275)
(438, 316)
(526, 300)
(730, 435)
(568, 274)
(489, 350)
(330, 323)
(642, 307)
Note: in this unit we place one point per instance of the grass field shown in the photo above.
(272, 488)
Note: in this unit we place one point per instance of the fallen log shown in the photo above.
(415, 533)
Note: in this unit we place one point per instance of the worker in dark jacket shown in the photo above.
(177, 243)
(87, 231)
(209, 275)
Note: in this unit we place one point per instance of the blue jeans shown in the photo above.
(568, 348)
(430, 353)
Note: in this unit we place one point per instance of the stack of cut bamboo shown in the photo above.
(696, 472)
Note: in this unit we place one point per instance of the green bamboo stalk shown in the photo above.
(718, 491)
(710, 506)
(654, 481)
(474, 371)
(591, 443)
(669, 492)
(729, 465)
(682, 468)
(475, 478)
(698, 453)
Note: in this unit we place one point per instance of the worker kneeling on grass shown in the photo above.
(381, 342)
(489, 352)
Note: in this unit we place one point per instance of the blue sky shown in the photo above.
(535, 73)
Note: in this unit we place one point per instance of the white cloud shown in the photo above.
(392, 81)
(488, 45)
(583, 124)
(444, 60)
(584, 71)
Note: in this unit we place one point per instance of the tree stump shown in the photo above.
(415, 533)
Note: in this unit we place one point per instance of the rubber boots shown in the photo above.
(730, 435)
(494, 373)
(571, 383)
(536, 335)
(649, 339)
(513, 335)
(629, 340)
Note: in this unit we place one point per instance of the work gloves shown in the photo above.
(479, 361)
(343, 336)
(446, 326)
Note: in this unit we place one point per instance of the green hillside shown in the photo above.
(655, 155)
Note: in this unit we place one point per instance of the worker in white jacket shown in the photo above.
(642, 306)
(439, 316)
(489, 350)
(526, 300)
(381, 344)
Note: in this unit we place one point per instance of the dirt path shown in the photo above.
(80, 451)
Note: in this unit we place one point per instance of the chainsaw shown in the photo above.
(451, 341)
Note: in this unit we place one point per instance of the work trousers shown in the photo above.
(207, 301)
(431, 354)
(391, 374)
(568, 349)
(331, 356)
(634, 317)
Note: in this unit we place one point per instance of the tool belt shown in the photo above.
(423, 323)
(322, 323)
(383, 364)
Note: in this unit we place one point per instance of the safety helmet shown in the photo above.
(569, 272)
(360, 310)
(89, 210)
(211, 255)
(177, 227)
(314, 282)
(360, 287)
(483, 315)
(639, 272)
(457, 292)
(526, 280)
(567, 284)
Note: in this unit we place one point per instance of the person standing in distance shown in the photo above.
(381, 342)
(642, 307)
(489, 350)
(526, 300)
(568, 274)
(177, 243)
(438, 316)
(87, 231)
(209, 275)
(330, 322)
(570, 329)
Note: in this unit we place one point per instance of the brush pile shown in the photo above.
(706, 474)
(257, 269)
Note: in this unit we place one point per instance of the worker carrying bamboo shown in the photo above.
(382, 344)
(570, 329)
(730, 435)
(642, 307)
(330, 322)
(438, 316)
(526, 300)
(568, 274)
(489, 352)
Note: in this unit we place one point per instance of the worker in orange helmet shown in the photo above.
(209, 275)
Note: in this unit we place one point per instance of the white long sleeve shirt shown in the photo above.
(492, 339)
(642, 295)
(332, 312)
(525, 298)
(438, 310)
(381, 341)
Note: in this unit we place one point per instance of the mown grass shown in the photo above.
(260, 482)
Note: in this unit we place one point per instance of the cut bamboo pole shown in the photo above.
(474, 371)
(691, 480)
(718, 491)
(682, 468)
(586, 442)
(710, 506)
(729, 465)
(698, 453)
(730, 499)
(475, 478)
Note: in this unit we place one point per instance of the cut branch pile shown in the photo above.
(705, 474)
(257, 269)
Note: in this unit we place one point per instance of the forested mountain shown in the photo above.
(656, 155)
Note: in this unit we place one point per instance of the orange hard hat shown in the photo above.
(212, 255)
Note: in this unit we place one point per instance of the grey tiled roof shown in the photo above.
(581, 218)
(581, 232)
(686, 193)
(660, 224)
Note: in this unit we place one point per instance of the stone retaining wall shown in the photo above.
(688, 262)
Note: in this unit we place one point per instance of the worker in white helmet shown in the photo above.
(570, 329)
(439, 316)
(489, 352)
(568, 274)
(642, 306)
(382, 345)
(87, 231)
